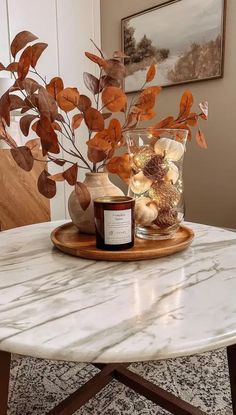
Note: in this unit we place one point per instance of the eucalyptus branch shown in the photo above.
(132, 104)
(99, 50)
(25, 95)
(36, 73)
(98, 95)
(78, 153)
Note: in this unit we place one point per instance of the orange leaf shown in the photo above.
(34, 126)
(192, 119)
(23, 157)
(115, 69)
(20, 41)
(25, 122)
(84, 103)
(46, 104)
(94, 120)
(24, 63)
(151, 73)
(185, 105)
(16, 102)
(91, 82)
(5, 107)
(155, 89)
(120, 165)
(56, 126)
(12, 67)
(68, 99)
(70, 175)
(30, 85)
(47, 136)
(200, 138)
(59, 162)
(46, 186)
(95, 155)
(100, 147)
(106, 80)
(96, 59)
(83, 195)
(101, 142)
(114, 98)
(146, 116)
(146, 101)
(76, 121)
(37, 50)
(2, 67)
(165, 123)
(55, 86)
(114, 131)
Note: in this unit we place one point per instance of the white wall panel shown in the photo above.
(67, 26)
(39, 17)
(78, 22)
(4, 37)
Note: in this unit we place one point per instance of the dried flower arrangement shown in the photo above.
(55, 112)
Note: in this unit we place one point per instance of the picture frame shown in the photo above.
(185, 39)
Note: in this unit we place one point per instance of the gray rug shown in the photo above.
(203, 380)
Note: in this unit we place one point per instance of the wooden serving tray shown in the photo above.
(68, 239)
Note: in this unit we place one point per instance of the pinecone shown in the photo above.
(165, 195)
(155, 168)
(166, 218)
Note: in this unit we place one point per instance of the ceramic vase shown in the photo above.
(98, 185)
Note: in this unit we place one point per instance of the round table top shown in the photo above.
(56, 306)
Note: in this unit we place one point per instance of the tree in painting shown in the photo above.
(200, 61)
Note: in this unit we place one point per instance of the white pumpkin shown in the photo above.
(173, 150)
(139, 183)
(146, 211)
(173, 173)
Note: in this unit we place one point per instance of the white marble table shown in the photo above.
(59, 307)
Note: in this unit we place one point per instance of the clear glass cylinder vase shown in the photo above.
(156, 182)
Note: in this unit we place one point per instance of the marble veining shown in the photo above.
(59, 307)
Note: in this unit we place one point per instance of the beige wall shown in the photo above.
(210, 175)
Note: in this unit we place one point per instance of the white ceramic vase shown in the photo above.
(98, 185)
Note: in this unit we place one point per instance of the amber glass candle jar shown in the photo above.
(114, 222)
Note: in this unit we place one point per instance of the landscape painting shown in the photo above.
(183, 38)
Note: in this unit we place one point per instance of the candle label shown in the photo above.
(117, 227)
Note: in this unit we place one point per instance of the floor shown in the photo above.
(37, 385)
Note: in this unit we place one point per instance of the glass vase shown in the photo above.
(156, 182)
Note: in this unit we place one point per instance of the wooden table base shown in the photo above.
(119, 372)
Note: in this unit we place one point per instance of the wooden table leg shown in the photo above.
(155, 394)
(5, 362)
(85, 392)
(231, 353)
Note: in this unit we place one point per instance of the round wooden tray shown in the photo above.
(69, 240)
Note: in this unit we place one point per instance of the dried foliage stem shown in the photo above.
(25, 95)
(77, 153)
(134, 97)
(35, 72)
(42, 105)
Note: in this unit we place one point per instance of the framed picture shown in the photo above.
(183, 38)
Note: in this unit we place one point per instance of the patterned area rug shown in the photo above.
(203, 380)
